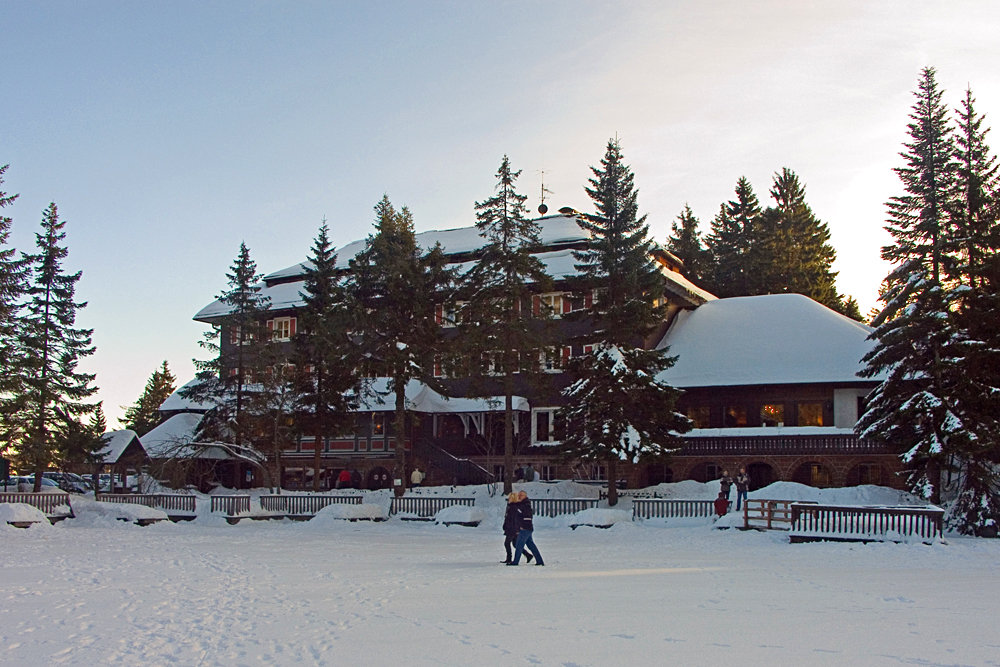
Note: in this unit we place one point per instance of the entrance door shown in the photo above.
(378, 478)
(761, 474)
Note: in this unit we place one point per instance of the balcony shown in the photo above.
(777, 442)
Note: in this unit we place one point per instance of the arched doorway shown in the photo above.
(705, 472)
(760, 474)
(379, 478)
(813, 473)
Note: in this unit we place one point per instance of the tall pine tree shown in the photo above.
(144, 415)
(325, 353)
(494, 322)
(913, 410)
(239, 347)
(12, 282)
(49, 348)
(685, 243)
(617, 409)
(394, 288)
(733, 244)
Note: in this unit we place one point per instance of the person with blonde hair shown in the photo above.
(525, 528)
(510, 527)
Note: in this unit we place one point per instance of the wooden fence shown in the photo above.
(231, 505)
(44, 502)
(661, 508)
(813, 522)
(556, 506)
(295, 505)
(424, 506)
(769, 514)
(169, 502)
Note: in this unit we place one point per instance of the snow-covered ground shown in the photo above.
(97, 591)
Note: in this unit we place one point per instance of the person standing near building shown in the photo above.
(416, 478)
(344, 479)
(529, 473)
(725, 483)
(510, 519)
(525, 528)
(742, 486)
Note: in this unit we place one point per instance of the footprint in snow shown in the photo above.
(899, 599)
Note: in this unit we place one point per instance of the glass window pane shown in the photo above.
(542, 426)
(772, 415)
(736, 416)
(701, 416)
(810, 414)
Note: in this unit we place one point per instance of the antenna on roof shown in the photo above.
(542, 208)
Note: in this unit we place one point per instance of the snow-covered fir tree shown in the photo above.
(616, 408)
(494, 324)
(325, 354)
(239, 352)
(144, 415)
(686, 244)
(48, 349)
(393, 291)
(917, 346)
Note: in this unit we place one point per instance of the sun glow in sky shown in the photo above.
(169, 133)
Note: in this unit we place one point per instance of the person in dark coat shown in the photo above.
(722, 504)
(725, 483)
(525, 527)
(510, 527)
(742, 485)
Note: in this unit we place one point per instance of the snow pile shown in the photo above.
(337, 511)
(91, 512)
(866, 495)
(460, 514)
(20, 512)
(599, 517)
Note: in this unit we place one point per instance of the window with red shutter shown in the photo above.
(291, 325)
(536, 305)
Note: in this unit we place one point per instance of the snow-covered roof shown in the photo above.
(555, 229)
(176, 431)
(176, 402)
(116, 442)
(421, 398)
(770, 339)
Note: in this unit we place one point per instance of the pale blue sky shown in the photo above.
(169, 132)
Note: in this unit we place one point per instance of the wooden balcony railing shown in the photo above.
(789, 445)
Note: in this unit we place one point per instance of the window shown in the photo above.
(549, 473)
(546, 426)
(282, 328)
(772, 415)
(810, 414)
(598, 473)
(701, 416)
(736, 416)
(550, 360)
(378, 423)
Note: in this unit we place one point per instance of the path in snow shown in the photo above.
(403, 594)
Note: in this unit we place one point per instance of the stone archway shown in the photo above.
(813, 473)
(761, 474)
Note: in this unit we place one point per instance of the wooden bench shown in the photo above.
(814, 522)
(46, 503)
(664, 508)
(425, 507)
(179, 507)
(764, 514)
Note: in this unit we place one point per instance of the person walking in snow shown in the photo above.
(722, 504)
(742, 485)
(510, 519)
(525, 527)
(725, 483)
(416, 478)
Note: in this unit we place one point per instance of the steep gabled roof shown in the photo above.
(770, 339)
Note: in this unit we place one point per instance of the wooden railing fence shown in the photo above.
(812, 522)
(424, 506)
(769, 514)
(231, 505)
(170, 502)
(662, 508)
(303, 505)
(555, 506)
(44, 502)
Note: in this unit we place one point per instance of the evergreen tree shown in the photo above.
(794, 252)
(83, 443)
(913, 409)
(617, 409)
(49, 348)
(733, 244)
(976, 313)
(393, 290)
(12, 279)
(239, 345)
(325, 353)
(685, 243)
(502, 280)
(144, 415)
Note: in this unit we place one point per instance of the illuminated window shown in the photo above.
(701, 416)
(378, 423)
(772, 415)
(736, 416)
(810, 414)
